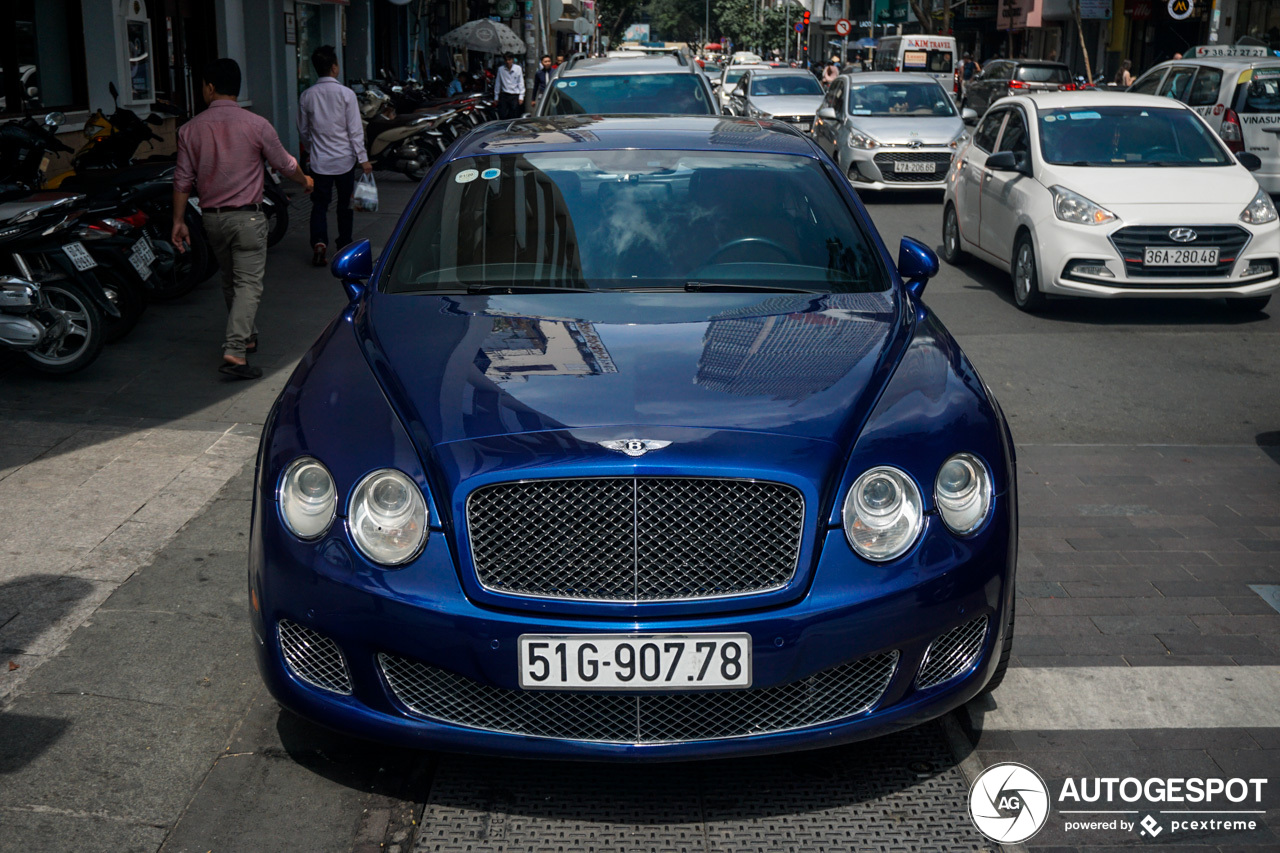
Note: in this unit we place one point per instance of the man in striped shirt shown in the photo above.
(221, 151)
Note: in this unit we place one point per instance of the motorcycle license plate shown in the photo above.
(636, 662)
(1179, 257)
(141, 258)
(79, 256)
(913, 167)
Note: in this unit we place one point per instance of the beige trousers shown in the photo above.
(238, 240)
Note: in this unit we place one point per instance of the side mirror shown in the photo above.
(57, 119)
(917, 263)
(1010, 161)
(827, 114)
(1250, 161)
(968, 114)
(353, 266)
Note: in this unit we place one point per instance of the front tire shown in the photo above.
(1248, 304)
(951, 251)
(277, 218)
(82, 333)
(1026, 278)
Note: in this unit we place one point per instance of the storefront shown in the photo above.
(42, 61)
(1025, 31)
(1259, 19)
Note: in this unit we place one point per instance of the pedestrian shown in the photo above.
(508, 87)
(329, 125)
(969, 68)
(455, 85)
(542, 79)
(1177, 56)
(559, 60)
(221, 150)
(1124, 79)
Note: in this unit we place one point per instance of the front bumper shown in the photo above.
(1063, 247)
(851, 612)
(874, 169)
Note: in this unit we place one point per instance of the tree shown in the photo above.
(751, 26)
(615, 16)
(924, 11)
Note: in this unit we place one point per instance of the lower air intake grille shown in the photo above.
(833, 694)
(314, 658)
(887, 162)
(952, 654)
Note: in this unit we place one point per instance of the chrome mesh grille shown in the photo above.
(635, 538)
(833, 694)
(313, 657)
(952, 654)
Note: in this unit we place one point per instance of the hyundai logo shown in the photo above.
(915, 143)
(1182, 235)
(634, 446)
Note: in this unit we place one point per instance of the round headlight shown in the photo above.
(308, 498)
(963, 492)
(388, 517)
(882, 514)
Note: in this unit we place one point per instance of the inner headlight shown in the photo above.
(861, 140)
(960, 139)
(388, 517)
(963, 493)
(1073, 207)
(1260, 211)
(308, 498)
(882, 514)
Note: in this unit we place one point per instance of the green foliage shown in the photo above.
(751, 27)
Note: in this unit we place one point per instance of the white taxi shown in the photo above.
(1236, 89)
(1111, 194)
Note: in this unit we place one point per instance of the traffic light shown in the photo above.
(806, 18)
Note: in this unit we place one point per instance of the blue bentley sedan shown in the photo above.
(633, 443)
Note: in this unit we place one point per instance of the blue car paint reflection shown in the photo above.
(461, 392)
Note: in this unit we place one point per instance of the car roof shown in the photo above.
(771, 71)
(654, 64)
(1230, 63)
(579, 133)
(1086, 99)
(868, 77)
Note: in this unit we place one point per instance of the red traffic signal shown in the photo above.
(806, 19)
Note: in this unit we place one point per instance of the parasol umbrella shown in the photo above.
(485, 36)
(866, 42)
(713, 46)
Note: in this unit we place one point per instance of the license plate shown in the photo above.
(79, 256)
(913, 167)
(1179, 257)
(637, 662)
(141, 258)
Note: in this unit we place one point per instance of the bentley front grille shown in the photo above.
(952, 654)
(635, 538)
(314, 658)
(828, 696)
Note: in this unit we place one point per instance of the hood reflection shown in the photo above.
(520, 347)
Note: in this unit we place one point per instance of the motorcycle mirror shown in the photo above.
(115, 93)
(55, 119)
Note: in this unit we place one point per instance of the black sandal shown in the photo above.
(240, 371)
(252, 345)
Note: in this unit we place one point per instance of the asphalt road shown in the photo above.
(1148, 447)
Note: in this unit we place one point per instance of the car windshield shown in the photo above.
(899, 99)
(733, 75)
(1044, 74)
(785, 84)
(1262, 95)
(680, 93)
(635, 220)
(1128, 136)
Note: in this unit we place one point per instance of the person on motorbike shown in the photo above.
(329, 125)
(222, 149)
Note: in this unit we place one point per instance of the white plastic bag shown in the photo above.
(366, 194)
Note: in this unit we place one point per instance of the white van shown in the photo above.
(932, 55)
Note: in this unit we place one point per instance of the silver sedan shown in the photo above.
(890, 131)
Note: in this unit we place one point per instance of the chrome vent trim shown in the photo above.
(952, 654)
(313, 658)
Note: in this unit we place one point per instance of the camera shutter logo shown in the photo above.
(1009, 803)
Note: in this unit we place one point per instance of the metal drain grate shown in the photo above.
(952, 654)
(314, 658)
(901, 793)
(833, 694)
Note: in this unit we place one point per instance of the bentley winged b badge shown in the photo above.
(634, 446)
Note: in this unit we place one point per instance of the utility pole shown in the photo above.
(946, 17)
(844, 39)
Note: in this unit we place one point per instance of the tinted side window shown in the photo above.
(1004, 71)
(1015, 133)
(1204, 90)
(1177, 83)
(1148, 84)
(985, 136)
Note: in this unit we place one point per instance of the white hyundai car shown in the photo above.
(1111, 194)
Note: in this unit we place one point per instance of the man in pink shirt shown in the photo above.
(221, 151)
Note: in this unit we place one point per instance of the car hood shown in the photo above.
(900, 130)
(1178, 186)
(787, 105)
(462, 368)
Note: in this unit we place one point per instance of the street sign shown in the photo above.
(1180, 10)
(843, 27)
(581, 27)
(555, 10)
(799, 28)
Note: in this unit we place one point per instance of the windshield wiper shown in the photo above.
(523, 288)
(720, 286)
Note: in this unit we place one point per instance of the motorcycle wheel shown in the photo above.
(419, 173)
(82, 335)
(277, 217)
(126, 294)
(178, 273)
